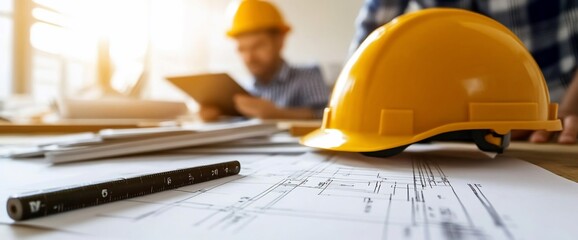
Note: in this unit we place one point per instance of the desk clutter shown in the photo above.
(120, 142)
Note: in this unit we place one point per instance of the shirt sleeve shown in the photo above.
(573, 21)
(373, 14)
(314, 93)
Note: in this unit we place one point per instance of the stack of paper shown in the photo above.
(111, 143)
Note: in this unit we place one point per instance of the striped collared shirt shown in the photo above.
(295, 87)
(548, 28)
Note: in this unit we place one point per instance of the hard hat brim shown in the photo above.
(237, 32)
(338, 140)
(333, 139)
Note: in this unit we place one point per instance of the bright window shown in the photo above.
(6, 6)
(6, 33)
(72, 40)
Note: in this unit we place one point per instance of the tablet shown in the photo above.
(215, 89)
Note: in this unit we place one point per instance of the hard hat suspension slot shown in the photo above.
(490, 141)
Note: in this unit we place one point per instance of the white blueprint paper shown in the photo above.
(416, 195)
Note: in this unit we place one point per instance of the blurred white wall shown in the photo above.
(188, 37)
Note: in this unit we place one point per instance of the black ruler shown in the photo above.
(51, 201)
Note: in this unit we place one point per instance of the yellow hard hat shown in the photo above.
(435, 74)
(254, 15)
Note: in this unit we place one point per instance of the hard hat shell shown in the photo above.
(431, 72)
(254, 15)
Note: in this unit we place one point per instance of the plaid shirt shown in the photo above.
(295, 87)
(548, 28)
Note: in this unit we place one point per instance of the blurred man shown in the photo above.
(280, 90)
(548, 28)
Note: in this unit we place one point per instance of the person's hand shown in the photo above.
(567, 136)
(209, 113)
(255, 107)
(568, 113)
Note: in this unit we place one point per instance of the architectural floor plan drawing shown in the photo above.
(348, 196)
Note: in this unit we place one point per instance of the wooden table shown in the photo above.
(556, 158)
